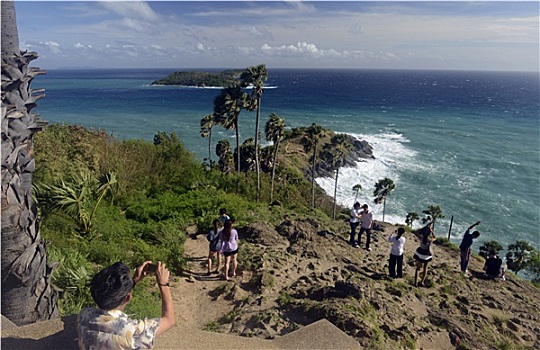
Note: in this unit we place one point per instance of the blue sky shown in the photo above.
(481, 35)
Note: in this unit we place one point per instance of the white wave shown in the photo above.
(392, 157)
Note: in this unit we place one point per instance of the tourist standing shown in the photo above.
(229, 248)
(422, 255)
(396, 253)
(223, 215)
(354, 221)
(214, 246)
(366, 223)
(465, 247)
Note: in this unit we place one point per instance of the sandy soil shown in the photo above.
(193, 301)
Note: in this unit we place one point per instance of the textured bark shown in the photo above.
(27, 293)
(10, 35)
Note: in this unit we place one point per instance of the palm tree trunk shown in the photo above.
(27, 293)
(383, 208)
(335, 195)
(313, 178)
(257, 166)
(237, 146)
(273, 171)
(210, 147)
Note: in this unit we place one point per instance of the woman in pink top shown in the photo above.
(229, 247)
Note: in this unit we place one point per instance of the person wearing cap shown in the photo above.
(107, 326)
(465, 247)
(366, 223)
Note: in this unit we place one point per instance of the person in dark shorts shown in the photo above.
(423, 255)
(214, 246)
(229, 247)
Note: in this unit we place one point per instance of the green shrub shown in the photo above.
(73, 276)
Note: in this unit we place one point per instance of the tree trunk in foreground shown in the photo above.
(27, 293)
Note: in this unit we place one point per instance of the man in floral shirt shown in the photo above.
(108, 327)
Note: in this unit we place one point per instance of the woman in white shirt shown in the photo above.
(396, 253)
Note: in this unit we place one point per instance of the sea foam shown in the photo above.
(392, 157)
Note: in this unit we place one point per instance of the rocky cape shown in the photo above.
(301, 270)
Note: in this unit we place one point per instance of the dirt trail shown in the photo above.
(194, 305)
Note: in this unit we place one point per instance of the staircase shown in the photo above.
(61, 333)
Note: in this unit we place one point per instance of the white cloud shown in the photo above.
(82, 46)
(132, 9)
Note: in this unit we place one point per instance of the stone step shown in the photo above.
(62, 334)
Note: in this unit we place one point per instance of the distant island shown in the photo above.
(201, 79)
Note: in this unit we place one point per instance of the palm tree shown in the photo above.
(340, 146)
(207, 122)
(433, 212)
(382, 189)
(255, 76)
(27, 293)
(310, 140)
(78, 199)
(223, 151)
(519, 255)
(274, 130)
(227, 107)
(356, 188)
(411, 217)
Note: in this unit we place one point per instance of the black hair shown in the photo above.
(357, 204)
(425, 232)
(222, 211)
(215, 225)
(227, 229)
(400, 232)
(476, 234)
(111, 285)
(492, 252)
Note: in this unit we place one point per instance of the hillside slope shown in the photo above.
(305, 271)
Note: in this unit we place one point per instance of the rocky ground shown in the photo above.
(300, 271)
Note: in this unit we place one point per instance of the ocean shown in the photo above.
(466, 141)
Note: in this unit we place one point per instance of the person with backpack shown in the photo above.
(214, 247)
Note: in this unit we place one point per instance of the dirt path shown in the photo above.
(194, 305)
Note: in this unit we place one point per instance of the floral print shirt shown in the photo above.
(100, 330)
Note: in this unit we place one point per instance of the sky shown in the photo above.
(455, 35)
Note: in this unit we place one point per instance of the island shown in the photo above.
(201, 79)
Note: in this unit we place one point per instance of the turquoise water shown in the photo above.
(467, 141)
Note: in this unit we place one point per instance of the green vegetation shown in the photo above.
(104, 200)
(488, 246)
(285, 299)
(200, 79)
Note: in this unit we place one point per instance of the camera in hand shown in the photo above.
(150, 268)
